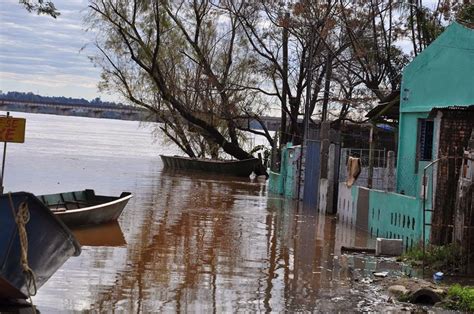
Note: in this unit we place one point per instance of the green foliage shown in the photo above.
(436, 257)
(466, 15)
(460, 298)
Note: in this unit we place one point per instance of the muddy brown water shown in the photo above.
(186, 242)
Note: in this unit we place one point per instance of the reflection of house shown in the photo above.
(436, 121)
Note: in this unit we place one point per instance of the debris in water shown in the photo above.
(438, 276)
(381, 274)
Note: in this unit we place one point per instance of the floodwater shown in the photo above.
(185, 242)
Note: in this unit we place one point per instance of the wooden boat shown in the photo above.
(50, 244)
(83, 208)
(238, 168)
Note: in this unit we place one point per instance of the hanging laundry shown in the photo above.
(353, 170)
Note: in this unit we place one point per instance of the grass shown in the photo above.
(442, 258)
(436, 257)
(460, 298)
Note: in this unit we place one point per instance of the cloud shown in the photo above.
(45, 53)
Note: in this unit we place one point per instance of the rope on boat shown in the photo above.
(21, 218)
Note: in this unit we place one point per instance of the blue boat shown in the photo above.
(50, 244)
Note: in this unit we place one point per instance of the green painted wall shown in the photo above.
(396, 216)
(275, 183)
(291, 179)
(407, 178)
(282, 183)
(442, 75)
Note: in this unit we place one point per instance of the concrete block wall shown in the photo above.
(382, 214)
(286, 181)
(275, 183)
(346, 209)
(395, 216)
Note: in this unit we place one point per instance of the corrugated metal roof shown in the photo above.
(450, 108)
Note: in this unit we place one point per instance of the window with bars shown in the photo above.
(425, 139)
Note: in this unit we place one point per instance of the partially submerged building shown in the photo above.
(441, 76)
(435, 124)
(436, 119)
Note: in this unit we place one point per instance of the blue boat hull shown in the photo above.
(50, 244)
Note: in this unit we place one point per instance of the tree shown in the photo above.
(186, 61)
(288, 53)
(40, 7)
(466, 15)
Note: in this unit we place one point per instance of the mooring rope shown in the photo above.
(21, 218)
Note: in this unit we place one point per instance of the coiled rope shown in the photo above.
(21, 218)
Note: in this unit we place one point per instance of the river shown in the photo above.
(185, 242)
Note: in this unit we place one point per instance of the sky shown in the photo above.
(49, 56)
(44, 55)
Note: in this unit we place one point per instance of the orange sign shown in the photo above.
(12, 129)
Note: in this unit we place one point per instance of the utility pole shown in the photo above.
(284, 93)
(307, 114)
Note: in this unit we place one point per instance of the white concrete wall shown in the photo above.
(346, 207)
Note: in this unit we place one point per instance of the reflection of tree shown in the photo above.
(185, 235)
(203, 244)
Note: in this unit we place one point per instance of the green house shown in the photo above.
(441, 76)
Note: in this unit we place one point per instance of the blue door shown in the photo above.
(311, 174)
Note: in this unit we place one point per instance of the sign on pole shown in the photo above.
(12, 129)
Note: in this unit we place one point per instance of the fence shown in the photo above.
(448, 209)
(380, 180)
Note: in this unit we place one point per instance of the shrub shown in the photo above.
(460, 298)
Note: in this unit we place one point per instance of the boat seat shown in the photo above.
(66, 205)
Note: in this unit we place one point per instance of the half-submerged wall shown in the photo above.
(396, 216)
(286, 181)
(382, 214)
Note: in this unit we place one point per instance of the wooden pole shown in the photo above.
(3, 160)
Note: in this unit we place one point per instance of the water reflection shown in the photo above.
(194, 242)
(212, 244)
(109, 234)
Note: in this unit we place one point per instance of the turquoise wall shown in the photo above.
(275, 183)
(390, 215)
(407, 178)
(283, 183)
(396, 216)
(441, 75)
